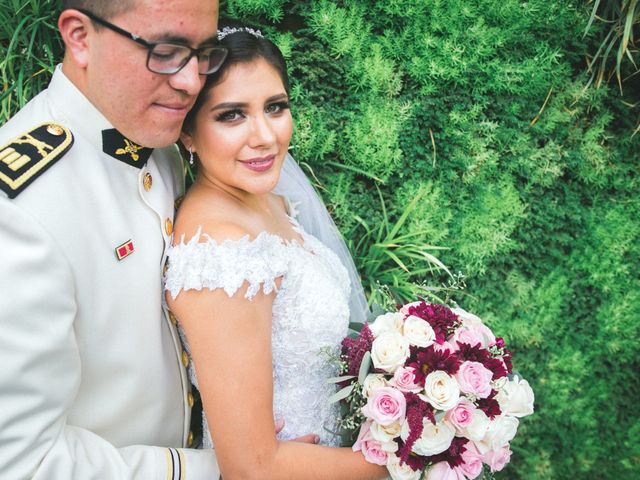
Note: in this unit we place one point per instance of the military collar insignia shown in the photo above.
(28, 156)
(123, 149)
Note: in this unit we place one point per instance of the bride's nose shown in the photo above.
(262, 132)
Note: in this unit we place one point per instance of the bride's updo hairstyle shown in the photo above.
(244, 45)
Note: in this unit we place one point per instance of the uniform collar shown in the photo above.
(86, 121)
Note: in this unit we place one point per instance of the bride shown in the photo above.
(259, 299)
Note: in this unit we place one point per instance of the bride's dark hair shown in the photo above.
(244, 47)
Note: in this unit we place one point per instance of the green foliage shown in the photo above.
(470, 125)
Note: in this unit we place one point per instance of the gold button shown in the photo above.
(173, 318)
(147, 181)
(190, 399)
(55, 130)
(165, 268)
(190, 439)
(168, 226)
(185, 359)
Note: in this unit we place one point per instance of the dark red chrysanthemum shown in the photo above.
(453, 454)
(497, 367)
(417, 411)
(427, 360)
(353, 349)
(473, 353)
(440, 317)
(490, 405)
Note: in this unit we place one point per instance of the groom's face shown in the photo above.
(149, 107)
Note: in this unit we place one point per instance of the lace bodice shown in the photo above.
(310, 315)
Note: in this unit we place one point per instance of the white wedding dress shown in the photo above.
(310, 315)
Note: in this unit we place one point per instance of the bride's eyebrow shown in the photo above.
(237, 105)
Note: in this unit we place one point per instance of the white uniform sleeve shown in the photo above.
(40, 374)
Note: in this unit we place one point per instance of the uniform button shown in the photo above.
(190, 400)
(168, 226)
(185, 359)
(165, 267)
(147, 181)
(190, 439)
(173, 318)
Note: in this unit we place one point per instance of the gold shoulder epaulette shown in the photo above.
(28, 156)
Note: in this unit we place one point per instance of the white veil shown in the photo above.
(315, 219)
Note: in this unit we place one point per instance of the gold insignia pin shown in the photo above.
(131, 149)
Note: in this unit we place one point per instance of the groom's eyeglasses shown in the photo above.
(168, 58)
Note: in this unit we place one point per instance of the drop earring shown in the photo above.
(191, 161)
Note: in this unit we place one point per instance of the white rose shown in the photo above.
(372, 382)
(516, 398)
(477, 429)
(434, 438)
(418, 331)
(441, 390)
(468, 320)
(385, 434)
(401, 472)
(389, 322)
(501, 431)
(389, 351)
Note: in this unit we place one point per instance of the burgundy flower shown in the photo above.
(497, 367)
(440, 317)
(490, 405)
(452, 455)
(417, 410)
(473, 353)
(427, 360)
(355, 348)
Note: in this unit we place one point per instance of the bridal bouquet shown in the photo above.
(430, 392)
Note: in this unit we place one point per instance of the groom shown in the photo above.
(92, 378)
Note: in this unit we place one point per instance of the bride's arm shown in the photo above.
(230, 341)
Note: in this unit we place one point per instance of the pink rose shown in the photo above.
(471, 461)
(442, 471)
(370, 447)
(474, 378)
(404, 380)
(497, 459)
(443, 347)
(470, 336)
(461, 415)
(385, 405)
(405, 308)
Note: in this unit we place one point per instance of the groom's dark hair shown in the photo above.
(244, 47)
(102, 8)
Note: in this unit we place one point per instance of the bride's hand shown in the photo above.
(309, 438)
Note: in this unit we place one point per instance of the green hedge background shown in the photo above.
(476, 126)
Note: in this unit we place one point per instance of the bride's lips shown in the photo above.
(259, 164)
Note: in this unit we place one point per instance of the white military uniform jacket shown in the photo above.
(92, 373)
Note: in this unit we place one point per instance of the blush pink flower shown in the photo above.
(470, 336)
(475, 378)
(471, 464)
(497, 459)
(385, 406)
(404, 380)
(442, 471)
(461, 415)
(370, 447)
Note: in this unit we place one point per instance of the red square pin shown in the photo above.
(124, 250)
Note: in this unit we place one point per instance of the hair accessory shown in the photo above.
(229, 30)
(190, 157)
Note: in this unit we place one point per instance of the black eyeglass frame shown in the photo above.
(151, 45)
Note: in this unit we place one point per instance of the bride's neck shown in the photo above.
(256, 202)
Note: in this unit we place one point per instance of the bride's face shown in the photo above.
(242, 132)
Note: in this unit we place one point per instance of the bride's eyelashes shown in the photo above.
(235, 114)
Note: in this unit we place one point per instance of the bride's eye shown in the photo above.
(230, 115)
(277, 107)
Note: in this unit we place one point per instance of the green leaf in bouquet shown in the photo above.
(340, 379)
(341, 395)
(356, 326)
(364, 367)
(439, 415)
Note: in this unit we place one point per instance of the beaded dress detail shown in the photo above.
(310, 315)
